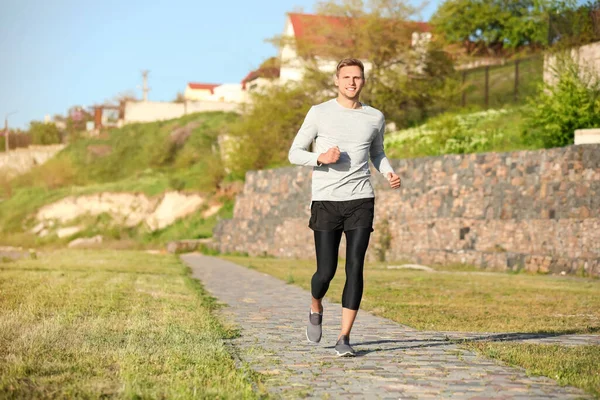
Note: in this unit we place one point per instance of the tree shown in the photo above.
(179, 98)
(402, 75)
(575, 27)
(496, 27)
(44, 133)
(571, 102)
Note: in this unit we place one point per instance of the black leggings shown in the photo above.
(327, 244)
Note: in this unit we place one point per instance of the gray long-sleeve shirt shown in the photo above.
(358, 133)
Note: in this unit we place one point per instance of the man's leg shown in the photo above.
(357, 242)
(327, 244)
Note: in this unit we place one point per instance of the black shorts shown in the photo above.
(346, 215)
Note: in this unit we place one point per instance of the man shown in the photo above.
(346, 133)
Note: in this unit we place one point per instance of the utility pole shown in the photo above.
(145, 88)
(6, 130)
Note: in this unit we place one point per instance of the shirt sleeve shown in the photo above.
(299, 153)
(377, 154)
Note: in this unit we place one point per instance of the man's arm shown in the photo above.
(380, 161)
(298, 153)
(377, 154)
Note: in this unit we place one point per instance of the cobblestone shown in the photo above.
(393, 361)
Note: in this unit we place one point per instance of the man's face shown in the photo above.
(350, 82)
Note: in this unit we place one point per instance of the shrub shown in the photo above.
(572, 102)
(42, 133)
(56, 173)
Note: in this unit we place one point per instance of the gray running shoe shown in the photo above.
(313, 328)
(342, 347)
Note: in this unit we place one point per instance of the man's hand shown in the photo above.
(394, 180)
(331, 156)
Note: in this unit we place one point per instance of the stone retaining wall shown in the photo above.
(19, 161)
(538, 210)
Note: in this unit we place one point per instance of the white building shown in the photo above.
(300, 27)
(199, 91)
(229, 93)
(212, 92)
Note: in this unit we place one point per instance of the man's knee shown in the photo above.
(323, 277)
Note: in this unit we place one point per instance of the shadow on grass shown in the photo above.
(452, 338)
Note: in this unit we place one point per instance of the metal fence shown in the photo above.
(500, 85)
(15, 140)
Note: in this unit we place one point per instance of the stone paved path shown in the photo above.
(393, 362)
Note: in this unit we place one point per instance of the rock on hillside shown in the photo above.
(127, 209)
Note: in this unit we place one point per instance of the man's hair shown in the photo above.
(348, 62)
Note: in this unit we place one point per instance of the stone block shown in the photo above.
(587, 136)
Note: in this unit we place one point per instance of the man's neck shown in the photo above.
(348, 103)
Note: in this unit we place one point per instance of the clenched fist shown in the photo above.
(331, 156)
(394, 180)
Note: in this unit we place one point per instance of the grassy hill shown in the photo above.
(180, 154)
(463, 132)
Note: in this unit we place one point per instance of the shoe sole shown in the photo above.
(346, 354)
(307, 338)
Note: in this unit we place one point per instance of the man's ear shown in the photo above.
(335, 79)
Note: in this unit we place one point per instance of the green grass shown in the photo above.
(455, 300)
(574, 366)
(112, 324)
(461, 133)
(142, 157)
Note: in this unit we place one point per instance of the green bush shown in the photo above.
(572, 102)
(42, 133)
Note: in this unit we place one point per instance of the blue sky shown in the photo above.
(60, 53)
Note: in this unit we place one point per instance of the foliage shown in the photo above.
(459, 133)
(407, 100)
(571, 102)
(492, 27)
(44, 133)
(263, 136)
(179, 98)
(575, 26)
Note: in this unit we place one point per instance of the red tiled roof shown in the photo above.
(304, 22)
(205, 86)
(313, 28)
(271, 72)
